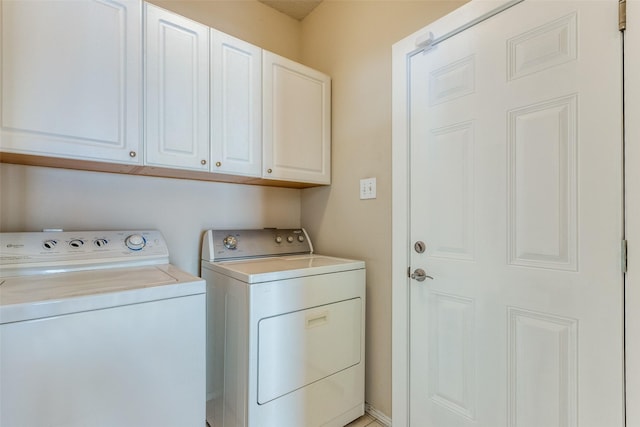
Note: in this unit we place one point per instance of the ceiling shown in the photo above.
(297, 9)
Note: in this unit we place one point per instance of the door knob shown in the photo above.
(420, 275)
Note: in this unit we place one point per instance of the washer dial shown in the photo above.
(76, 243)
(100, 242)
(135, 242)
(49, 244)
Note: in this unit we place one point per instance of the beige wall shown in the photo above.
(33, 198)
(248, 20)
(351, 41)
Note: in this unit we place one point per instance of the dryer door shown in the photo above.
(298, 348)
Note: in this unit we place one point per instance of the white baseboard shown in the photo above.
(379, 416)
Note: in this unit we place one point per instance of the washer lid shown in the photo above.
(270, 269)
(45, 295)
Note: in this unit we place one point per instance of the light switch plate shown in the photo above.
(367, 188)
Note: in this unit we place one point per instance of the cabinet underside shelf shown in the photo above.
(94, 166)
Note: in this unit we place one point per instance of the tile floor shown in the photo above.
(365, 420)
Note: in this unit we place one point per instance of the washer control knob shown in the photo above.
(230, 242)
(49, 244)
(290, 239)
(100, 242)
(135, 242)
(300, 238)
(278, 239)
(76, 243)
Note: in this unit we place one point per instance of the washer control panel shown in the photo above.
(71, 248)
(220, 245)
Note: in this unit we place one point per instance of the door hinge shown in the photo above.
(622, 15)
(624, 256)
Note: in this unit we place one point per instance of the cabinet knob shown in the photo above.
(203, 162)
(269, 170)
(218, 164)
(132, 153)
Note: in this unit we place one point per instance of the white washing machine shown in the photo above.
(285, 331)
(98, 329)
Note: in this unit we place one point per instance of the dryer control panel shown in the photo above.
(221, 245)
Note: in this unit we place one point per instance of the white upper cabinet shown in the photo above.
(176, 107)
(296, 121)
(129, 84)
(236, 106)
(71, 79)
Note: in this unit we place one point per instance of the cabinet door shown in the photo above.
(70, 79)
(176, 91)
(236, 105)
(297, 121)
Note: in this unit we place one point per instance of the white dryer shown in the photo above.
(98, 329)
(285, 331)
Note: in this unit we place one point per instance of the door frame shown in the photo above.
(632, 214)
(400, 258)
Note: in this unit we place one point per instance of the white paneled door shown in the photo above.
(515, 142)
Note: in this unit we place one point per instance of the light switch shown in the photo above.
(367, 188)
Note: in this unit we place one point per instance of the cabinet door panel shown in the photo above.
(236, 104)
(297, 122)
(70, 82)
(177, 91)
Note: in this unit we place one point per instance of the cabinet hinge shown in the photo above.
(622, 15)
(624, 256)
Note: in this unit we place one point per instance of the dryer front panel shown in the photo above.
(299, 348)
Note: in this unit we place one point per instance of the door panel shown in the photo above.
(516, 189)
(297, 149)
(449, 219)
(554, 342)
(299, 348)
(542, 184)
(70, 76)
(451, 354)
(236, 106)
(177, 91)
